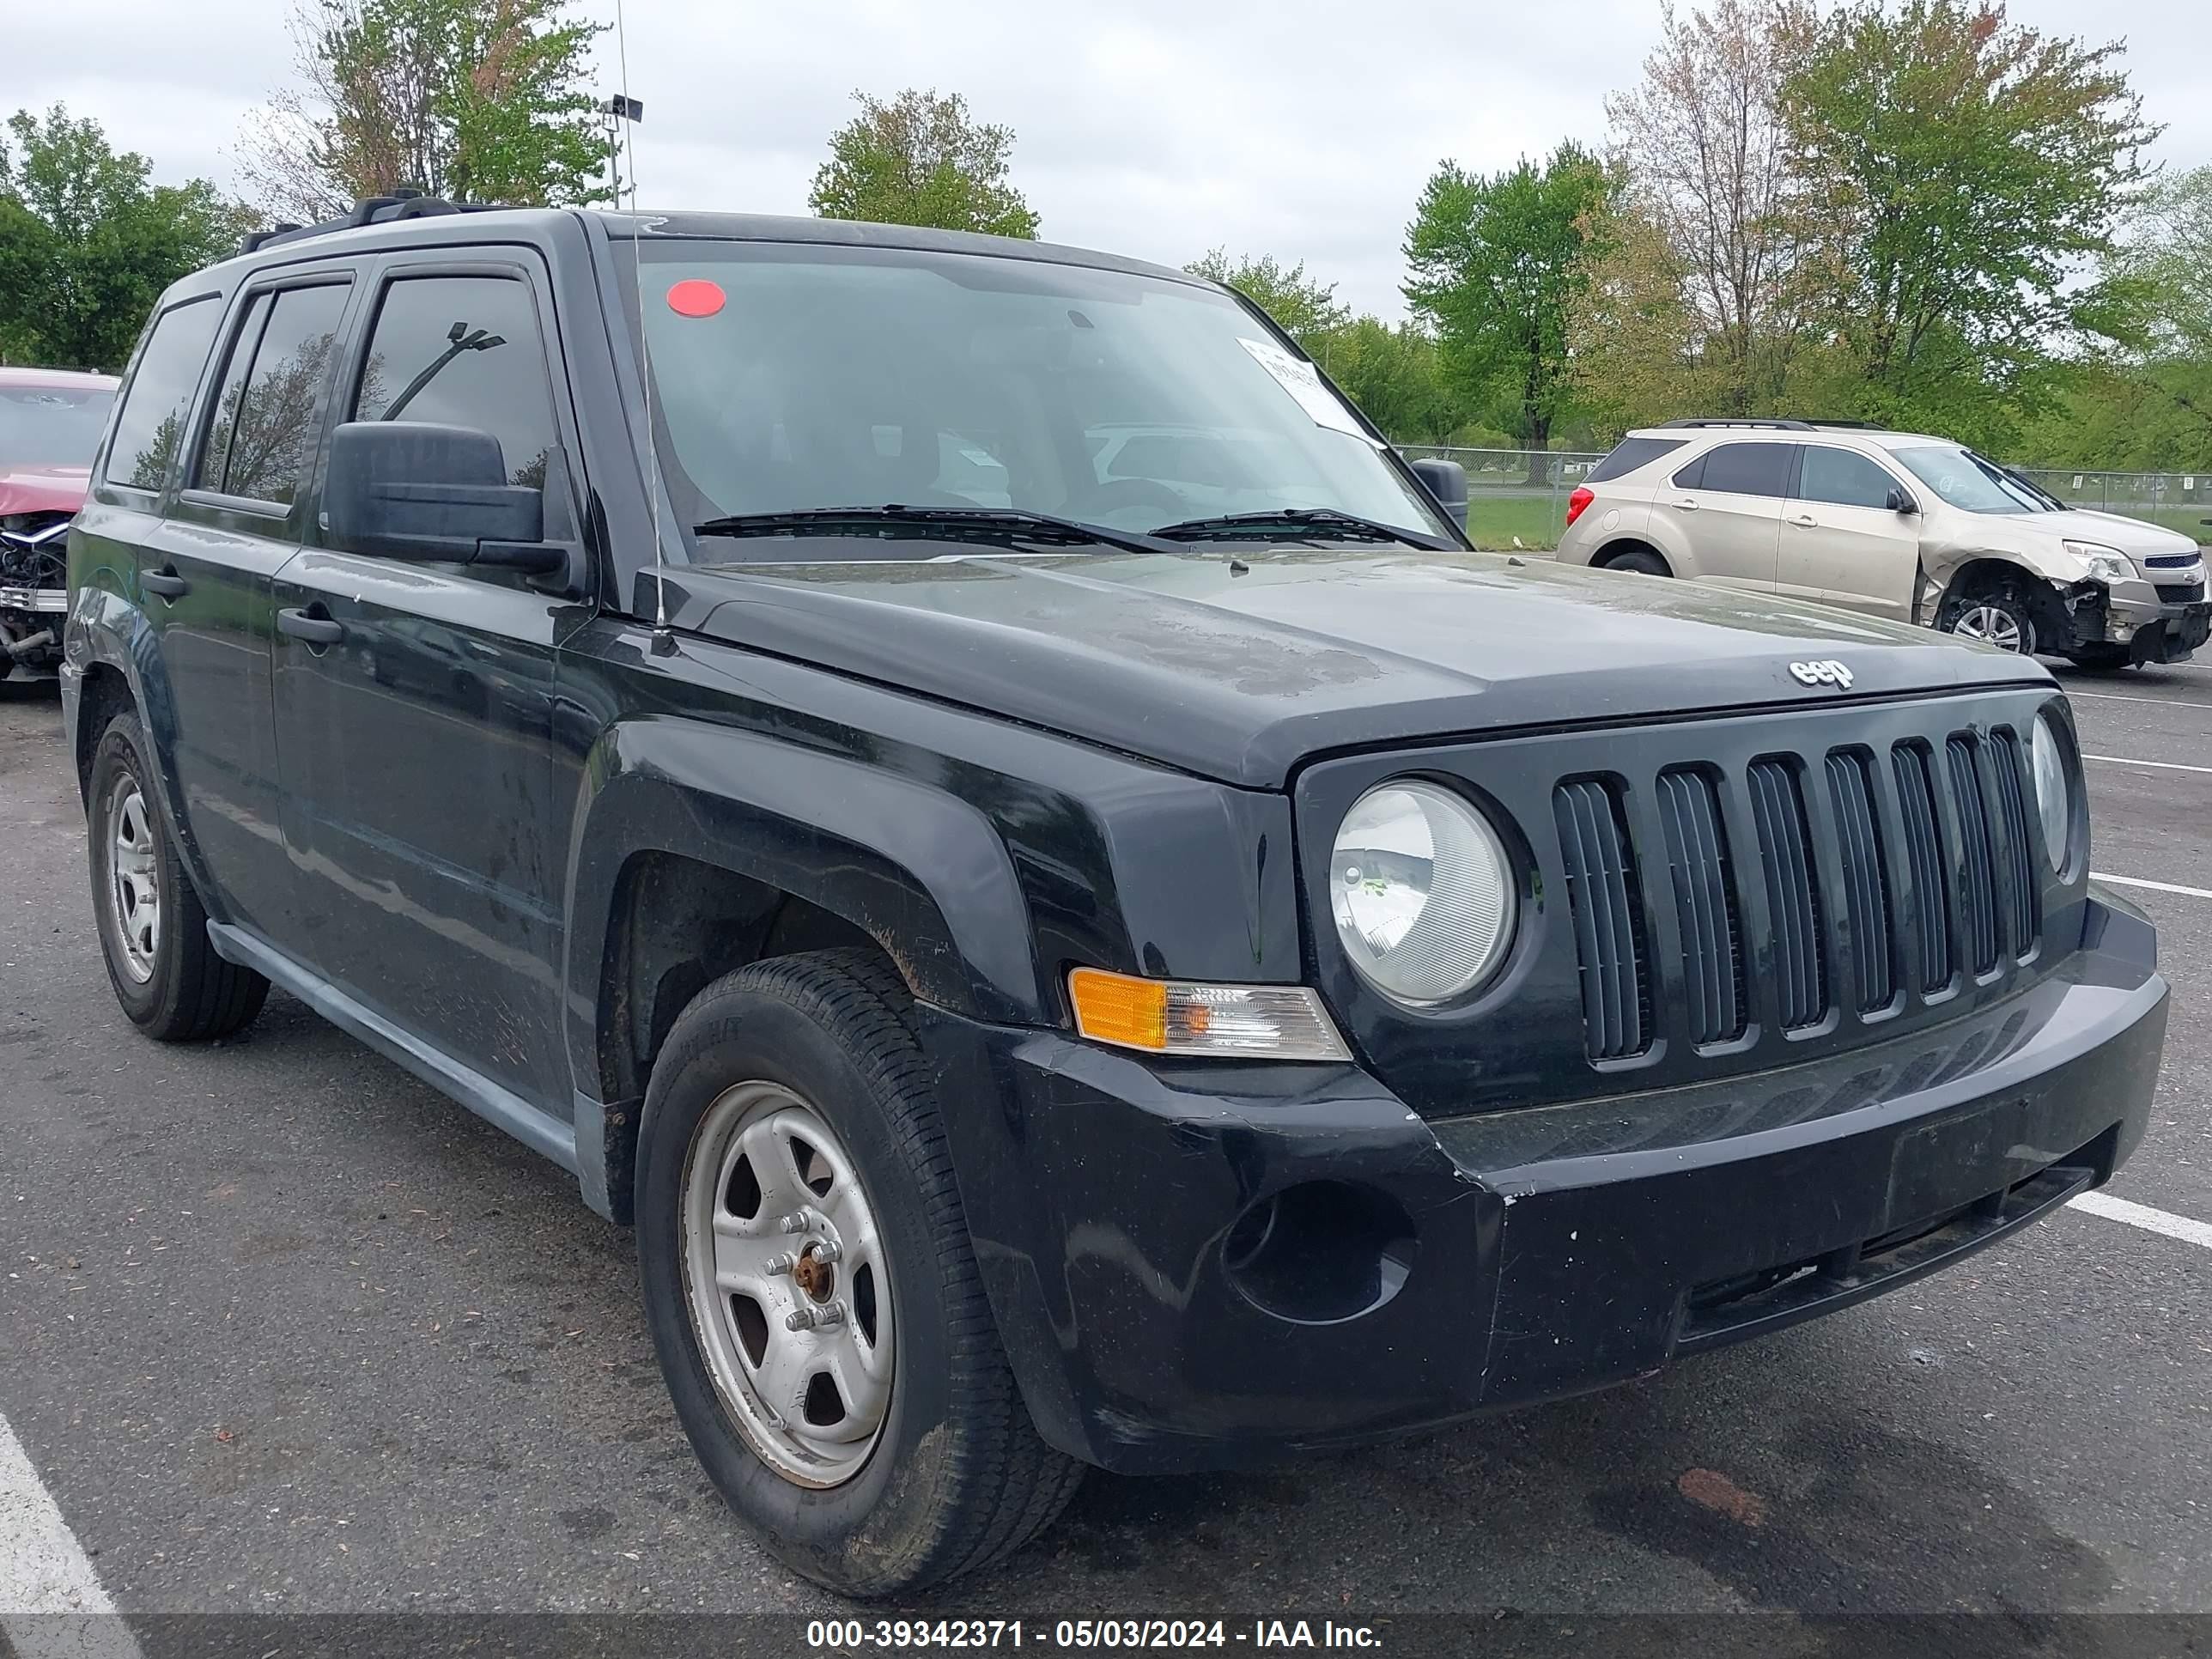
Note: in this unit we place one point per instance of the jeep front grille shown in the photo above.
(1867, 873)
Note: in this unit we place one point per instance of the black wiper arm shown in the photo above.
(999, 525)
(1325, 520)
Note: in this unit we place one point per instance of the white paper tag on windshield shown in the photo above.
(1298, 379)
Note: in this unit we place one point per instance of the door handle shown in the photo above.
(307, 625)
(1687, 506)
(165, 581)
(1806, 519)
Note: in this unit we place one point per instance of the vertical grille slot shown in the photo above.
(1924, 853)
(1977, 870)
(1793, 894)
(1609, 918)
(2024, 909)
(1866, 878)
(1705, 904)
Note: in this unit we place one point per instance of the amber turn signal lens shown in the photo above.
(1173, 1017)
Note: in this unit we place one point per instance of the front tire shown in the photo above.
(1996, 616)
(811, 1291)
(153, 929)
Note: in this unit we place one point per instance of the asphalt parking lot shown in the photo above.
(283, 1331)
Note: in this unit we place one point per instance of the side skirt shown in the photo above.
(488, 1100)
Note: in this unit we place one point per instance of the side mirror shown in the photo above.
(1447, 482)
(432, 494)
(1901, 502)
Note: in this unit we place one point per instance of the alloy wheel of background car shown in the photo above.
(134, 879)
(790, 1296)
(1994, 622)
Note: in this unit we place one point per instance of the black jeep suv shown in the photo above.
(968, 796)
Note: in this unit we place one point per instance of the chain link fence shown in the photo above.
(1518, 497)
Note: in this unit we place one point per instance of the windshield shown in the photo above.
(1968, 482)
(788, 377)
(52, 426)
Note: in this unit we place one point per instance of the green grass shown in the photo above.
(1494, 520)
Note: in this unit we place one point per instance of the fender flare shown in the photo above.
(916, 868)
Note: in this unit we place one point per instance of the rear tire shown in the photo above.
(153, 929)
(953, 1475)
(1641, 561)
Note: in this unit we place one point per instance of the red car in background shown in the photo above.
(51, 420)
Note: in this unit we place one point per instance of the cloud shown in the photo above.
(1158, 128)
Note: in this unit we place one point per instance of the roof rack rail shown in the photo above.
(1854, 426)
(404, 203)
(1742, 420)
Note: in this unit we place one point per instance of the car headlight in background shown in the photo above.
(2054, 792)
(1422, 891)
(2107, 564)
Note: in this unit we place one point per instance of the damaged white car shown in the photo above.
(1909, 528)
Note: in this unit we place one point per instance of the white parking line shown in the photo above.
(2156, 886)
(2141, 1215)
(52, 1603)
(2163, 766)
(2117, 696)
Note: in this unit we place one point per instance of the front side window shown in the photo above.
(150, 430)
(265, 424)
(463, 351)
(789, 378)
(1747, 469)
(1842, 479)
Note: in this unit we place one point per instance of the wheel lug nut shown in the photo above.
(831, 1313)
(793, 1223)
(800, 1319)
(781, 1264)
(827, 1250)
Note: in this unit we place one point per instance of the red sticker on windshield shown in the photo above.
(694, 296)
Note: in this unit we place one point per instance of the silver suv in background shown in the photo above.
(1897, 524)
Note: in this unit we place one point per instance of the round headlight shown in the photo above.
(2054, 792)
(1422, 892)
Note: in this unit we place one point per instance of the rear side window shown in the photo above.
(266, 425)
(1844, 479)
(1742, 470)
(1629, 454)
(150, 429)
(464, 351)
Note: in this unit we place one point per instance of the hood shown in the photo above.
(2134, 537)
(1239, 671)
(43, 490)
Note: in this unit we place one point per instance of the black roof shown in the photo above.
(385, 220)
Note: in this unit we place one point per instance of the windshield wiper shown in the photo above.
(1301, 523)
(999, 524)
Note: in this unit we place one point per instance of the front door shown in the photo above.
(205, 571)
(415, 711)
(1842, 542)
(1728, 503)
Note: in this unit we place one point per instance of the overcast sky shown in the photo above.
(1158, 128)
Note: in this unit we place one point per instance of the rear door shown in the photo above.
(1728, 504)
(414, 700)
(1842, 542)
(205, 571)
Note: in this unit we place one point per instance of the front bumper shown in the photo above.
(2131, 614)
(1438, 1270)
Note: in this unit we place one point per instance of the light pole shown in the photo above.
(619, 107)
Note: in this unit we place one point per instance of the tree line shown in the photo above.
(1914, 212)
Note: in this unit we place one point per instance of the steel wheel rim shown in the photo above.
(774, 1215)
(1993, 625)
(134, 880)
